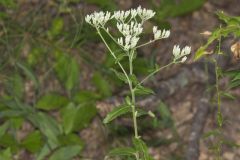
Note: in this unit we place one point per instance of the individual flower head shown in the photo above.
(158, 34)
(129, 42)
(133, 29)
(144, 13)
(181, 54)
(121, 15)
(98, 19)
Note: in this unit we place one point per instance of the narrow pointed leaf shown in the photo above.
(118, 111)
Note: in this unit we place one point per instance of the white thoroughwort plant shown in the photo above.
(130, 25)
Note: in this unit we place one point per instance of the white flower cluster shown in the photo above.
(98, 19)
(121, 15)
(129, 42)
(181, 54)
(133, 29)
(158, 34)
(144, 13)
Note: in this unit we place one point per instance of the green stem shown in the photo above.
(112, 53)
(134, 115)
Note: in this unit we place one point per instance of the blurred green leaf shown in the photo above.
(33, 142)
(48, 127)
(51, 101)
(3, 128)
(122, 152)
(140, 90)
(172, 8)
(6, 154)
(71, 139)
(85, 113)
(15, 86)
(116, 112)
(8, 3)
(101, 84)
(120, 75)
(29, 73)
(8, 141)
(66, 153)
(109, 5)
(56, 27)
(68, 117)
(165, 114)
(85, 96)
(67, 70)
(210, 133)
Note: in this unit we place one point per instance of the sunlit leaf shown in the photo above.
(116, 112)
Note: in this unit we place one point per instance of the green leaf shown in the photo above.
(227, 95)
(85, 96)
(85, 113)
(101, 84)
(172, 8)
(165, 114)
(219, 119)
(214, 132)
(51, 101)
(67, 70)
(116, 112)
(29, 74)
(142, 148)
(15, 86)
(120, 75)
(140, 90)
(3, 128)
(57, 27)
(33, 142)
(110, 5)
(6, 154)
(8, 140)
(66, 153)
(48, 127)
(68, 117)
(134, 79)
(126, 151)
(70, 139)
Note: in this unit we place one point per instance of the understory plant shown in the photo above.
(125, 30)
(229, 29)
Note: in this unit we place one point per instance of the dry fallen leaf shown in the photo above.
(235, 48)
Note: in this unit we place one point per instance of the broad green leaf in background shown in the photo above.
(71, 139)
(56, 27)
(109, 5)
(173, 8)
(84, 96)
(68, 117)
(67, 70)
(33, 142)
(120, 75)
(8, 141)
(15, 86)
(66, 153)
(126, 151)
(116, 112)
(8, 3)
(6, 154)
(51, 101)
(48, 127)
(166, 118)
(101, 84)
(3, 128)
(29, 73)
(85, 113)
